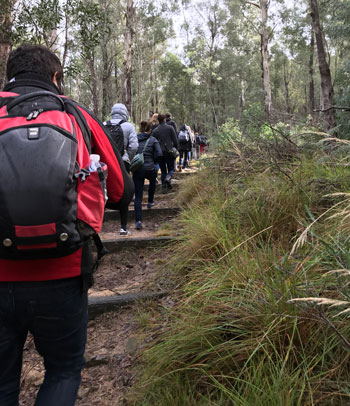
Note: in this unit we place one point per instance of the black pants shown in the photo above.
(124, 211)
(139, 181)
(55, 312)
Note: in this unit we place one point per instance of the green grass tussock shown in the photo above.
(235, 335)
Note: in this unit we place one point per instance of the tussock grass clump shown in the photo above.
(236, 336)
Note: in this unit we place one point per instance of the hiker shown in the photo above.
(167, 138)
(195, 146)
(124, 135)
(170, 121)
(154, 121)
(50, 203)
(185, 146)
(202, 140)
(151, 153)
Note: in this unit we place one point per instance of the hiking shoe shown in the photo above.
(164, 189)
(138, 225)
(149, 205)
(168, 181)
(180, 168)
(123, 231)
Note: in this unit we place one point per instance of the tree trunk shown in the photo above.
(264, 37)
(286, 80)
(106, 83)
(128, 36)
(94, 86)
(312, 104)
(242, 98)
(325, 73)
(5, 37)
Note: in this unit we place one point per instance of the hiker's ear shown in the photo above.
(54, 78)
(58, 83)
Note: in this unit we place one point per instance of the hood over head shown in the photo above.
(143, 136)
(119, 111)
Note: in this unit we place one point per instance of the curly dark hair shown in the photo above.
(37, 59)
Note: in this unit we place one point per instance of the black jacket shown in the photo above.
(166, 136)
(152, 151)
(172, 123)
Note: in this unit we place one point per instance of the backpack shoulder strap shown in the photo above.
(144, 148)
(71, 108)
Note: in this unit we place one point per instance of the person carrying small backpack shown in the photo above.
(167, 138)
(185, 146)
(124, 135)
(149, 146)
(52, 202)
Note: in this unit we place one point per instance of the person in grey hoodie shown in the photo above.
(119, 114)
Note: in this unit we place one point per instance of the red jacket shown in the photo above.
(80, 261)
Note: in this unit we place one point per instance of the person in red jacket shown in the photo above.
(48, 296)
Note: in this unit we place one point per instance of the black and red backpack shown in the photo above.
(49, 205)
(116, 133)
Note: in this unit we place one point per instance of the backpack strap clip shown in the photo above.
(83, 174)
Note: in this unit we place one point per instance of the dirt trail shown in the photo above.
(113, 337)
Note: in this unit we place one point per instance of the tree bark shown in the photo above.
(242, 98)
(325, 73)
(264, 37)
(94, 86)
(128, 36)
(312, 104)
(5, 37)
(286, 80)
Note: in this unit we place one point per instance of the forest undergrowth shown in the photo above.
(262, 271)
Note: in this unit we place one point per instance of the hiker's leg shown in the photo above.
(151, 176)
(59, 331)
(170, 162)
(163, 168)
(12, 338)
(139, 181)
(124, 213)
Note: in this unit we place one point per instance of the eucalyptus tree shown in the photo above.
(6, 19)
(37, 22)
(179, 89)
(203, 59)
(152, 29)
(337, 29)
(258, 13)
(327, 91)
(296, 44)
(128, 38)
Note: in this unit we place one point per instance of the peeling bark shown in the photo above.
(312, 104)
(6, 7)
(325, 73)
(128, 36)
(264, 37)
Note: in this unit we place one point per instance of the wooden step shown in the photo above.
(175, 185)
(183, 174)
(98, 305)
(146, 213)
(136, 243)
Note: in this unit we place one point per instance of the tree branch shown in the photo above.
(333, 108)
(253, 4)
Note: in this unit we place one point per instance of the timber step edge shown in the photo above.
(126, 243)
(99, 305)
(146, 213)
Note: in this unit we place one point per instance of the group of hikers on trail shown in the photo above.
(159, 143)
(60, 167)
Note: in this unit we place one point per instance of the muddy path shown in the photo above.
(115, 337)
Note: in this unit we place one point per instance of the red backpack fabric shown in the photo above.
(49, 203)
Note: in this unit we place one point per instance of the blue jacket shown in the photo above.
(152, 152)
